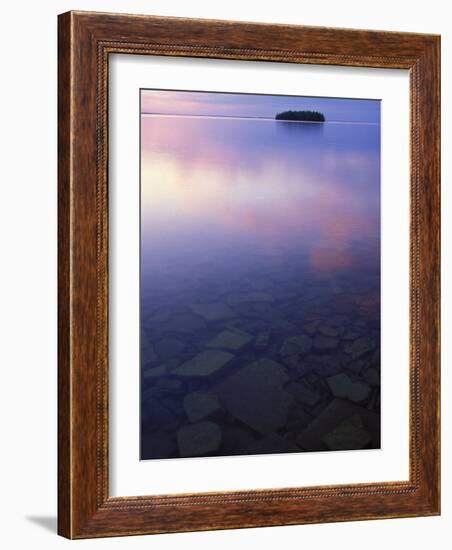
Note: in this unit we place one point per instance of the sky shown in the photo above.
(169, 102)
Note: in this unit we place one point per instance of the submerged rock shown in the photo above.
(298, 420)
(199, 405)
(154, 372)
(163, 388)
(339, 410)
(372, 377)
(160, 316)
(360, 347)
(261, 310)
(198, 439)
(325, 343)
(350, 335)
(255, 395)
(168, 386)
(333, 332)
(296, 345)
(229, 339)
(303, 394)
(214, 311)
(324, 365)
(262, 340)
(297, 365)
(357, 365)
(169, 347)
(311, 327)
(349, 435)
(204, 364)
(184, 323)
(343, 386)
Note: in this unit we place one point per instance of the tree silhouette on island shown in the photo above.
(304, 116)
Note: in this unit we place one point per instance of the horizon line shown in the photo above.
(235, 117)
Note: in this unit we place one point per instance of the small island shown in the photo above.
(303, 116)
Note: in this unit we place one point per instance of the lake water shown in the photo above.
(260, 286)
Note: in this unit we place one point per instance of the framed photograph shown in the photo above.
(248, 275)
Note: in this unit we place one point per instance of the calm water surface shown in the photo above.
(260, 286)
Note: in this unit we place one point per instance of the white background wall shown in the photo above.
(28, 269)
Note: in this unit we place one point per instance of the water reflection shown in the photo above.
(260, 250)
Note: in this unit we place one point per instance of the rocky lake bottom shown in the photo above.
(271, 358)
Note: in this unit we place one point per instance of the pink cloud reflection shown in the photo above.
(197, 179)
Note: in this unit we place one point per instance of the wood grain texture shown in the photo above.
(85, 42)
(64, 295)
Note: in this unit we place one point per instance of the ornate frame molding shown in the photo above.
(85, 42)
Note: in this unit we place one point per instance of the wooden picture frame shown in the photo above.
(85, 42)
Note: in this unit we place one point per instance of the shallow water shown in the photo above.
(260, 286)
